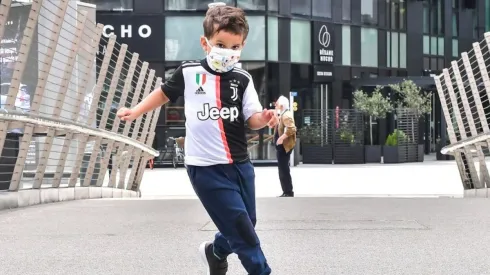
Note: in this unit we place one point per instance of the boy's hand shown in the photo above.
(126, 114)
(270, 116)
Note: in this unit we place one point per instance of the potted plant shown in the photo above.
(375, 107)
(314, 145)
(412, 97)
(390, 150)
(349, 149)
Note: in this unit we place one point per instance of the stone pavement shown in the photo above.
(311, 236)
(427, 179)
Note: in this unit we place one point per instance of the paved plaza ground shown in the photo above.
(345, 220)
(311, 236)
(427, 179)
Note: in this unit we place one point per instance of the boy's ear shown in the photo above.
(204, 44)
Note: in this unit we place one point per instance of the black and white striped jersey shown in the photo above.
(217, 106)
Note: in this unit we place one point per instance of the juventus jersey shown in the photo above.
(217, 105)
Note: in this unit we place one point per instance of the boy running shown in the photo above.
(220, 101)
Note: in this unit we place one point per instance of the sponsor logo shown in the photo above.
(215, 113)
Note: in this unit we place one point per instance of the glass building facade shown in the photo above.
(313, 47)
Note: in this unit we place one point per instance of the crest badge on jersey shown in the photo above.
(200, 81)
(234, 87)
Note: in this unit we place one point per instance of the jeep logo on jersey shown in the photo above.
(214, 113)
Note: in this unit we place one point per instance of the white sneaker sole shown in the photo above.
(202, 252)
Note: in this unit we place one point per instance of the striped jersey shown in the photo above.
(217, 106)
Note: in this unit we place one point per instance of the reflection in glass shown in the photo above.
(322, 8)
(369, 50)
(273, 39)
(455, 48)
(112, 5)
(251, 4)
(191, 4)
(346, 45)
(255, 44)
(182, 34)
(273, 5)
(300, 41)
(403, 50)
(301, 7)
(346, 11)
(369, 12)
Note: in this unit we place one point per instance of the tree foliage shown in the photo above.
(375, 106)
(412, 97)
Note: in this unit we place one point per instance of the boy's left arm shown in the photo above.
(256, 117)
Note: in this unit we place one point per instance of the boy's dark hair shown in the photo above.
(225, 18)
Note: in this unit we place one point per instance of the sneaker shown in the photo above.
(214, 265)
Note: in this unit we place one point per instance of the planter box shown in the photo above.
(440, 156)
(372, 153)
(317, 154)
(349, 154)
(390, 154)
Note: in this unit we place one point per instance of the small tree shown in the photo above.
(412, 97)
(375, 106)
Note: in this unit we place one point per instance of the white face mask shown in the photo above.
(222, 60)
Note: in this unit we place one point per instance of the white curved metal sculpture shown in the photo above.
(63, 140)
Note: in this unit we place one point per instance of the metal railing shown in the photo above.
(60, 138)
(464, 91)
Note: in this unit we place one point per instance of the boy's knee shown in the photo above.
(246, 230)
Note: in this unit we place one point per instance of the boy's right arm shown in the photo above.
(171, 90)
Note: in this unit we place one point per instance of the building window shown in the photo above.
(346, 45)
(273, 5)
(322, 8)
(300, 41)
(178, 46)
(251, 4)
(426, 19)
(301, 7)
(273, 38)
(397, 50)
(455, 17)
(440, 46)
(455, 24)
(455, 48)
(191, 4)
(426, 44)
(112, 5)
(475, 24)
(436, 17)
(393, 48)
(346, 11)
(369, 49)
(487, 15)
(397, 15)
(255, 44)
(403, 50)
(369, 12)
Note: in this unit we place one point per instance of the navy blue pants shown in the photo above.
(227, 192)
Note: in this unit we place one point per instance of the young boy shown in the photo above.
(220, 101)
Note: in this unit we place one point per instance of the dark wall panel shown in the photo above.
(356, 11)
(337, 10)
(284, 36)
(414, 38)
(382, 50)
(355, 42)
(338, 44)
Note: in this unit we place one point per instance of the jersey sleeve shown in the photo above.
(251, 103)
(174, 87)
